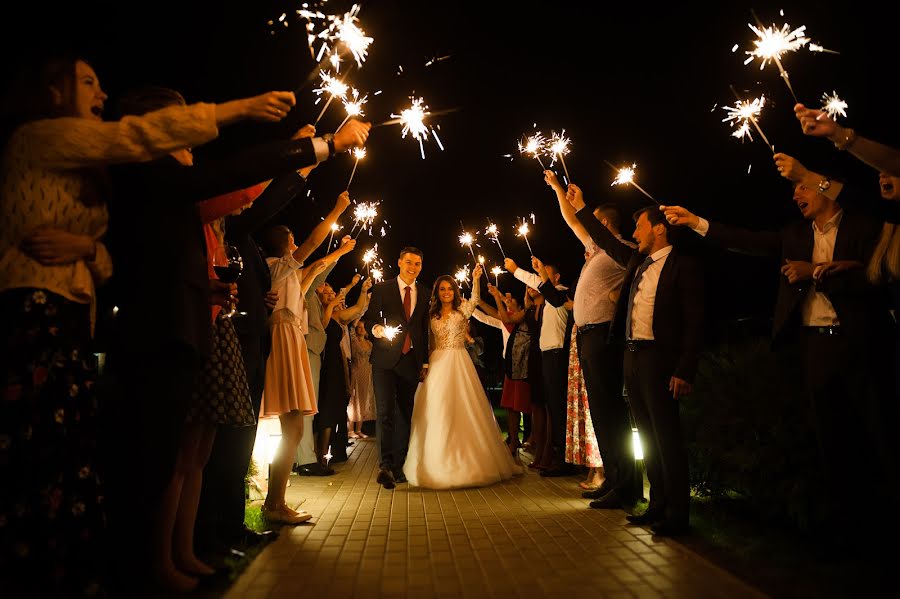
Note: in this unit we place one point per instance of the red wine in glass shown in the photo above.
(228, 264)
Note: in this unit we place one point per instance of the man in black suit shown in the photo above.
(398, 364)
(838, 321)
(659, 314)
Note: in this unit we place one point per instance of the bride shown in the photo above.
(454, 440)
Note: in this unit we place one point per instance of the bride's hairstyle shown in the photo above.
(435, 311)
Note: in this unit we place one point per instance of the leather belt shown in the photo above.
(636, 344)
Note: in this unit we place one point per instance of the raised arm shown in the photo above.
(565, 208)
(352, 313)
(600, 235)
(758, 243)
(529, 278)
(468, 306)
(322, 230)
(817, 123)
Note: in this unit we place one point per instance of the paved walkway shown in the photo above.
(529, 537)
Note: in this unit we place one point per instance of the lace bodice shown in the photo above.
(450, 333)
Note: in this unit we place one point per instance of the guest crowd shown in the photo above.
(135, 467)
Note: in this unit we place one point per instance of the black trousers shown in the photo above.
(849, 389)
(601, 365)
(395, 391)
(647, 377)
(220, 517)
(555, 370)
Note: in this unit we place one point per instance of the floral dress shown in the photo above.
(581, 442)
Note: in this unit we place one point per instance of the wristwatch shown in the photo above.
(824, 184)
(329, 139)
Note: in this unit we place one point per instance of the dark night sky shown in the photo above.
(628, 84)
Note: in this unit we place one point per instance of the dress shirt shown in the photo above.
(645, 297)
(412, 294)
(553, 324)
(599, 276)
(817, 310)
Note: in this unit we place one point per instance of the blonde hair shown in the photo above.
(886, 256)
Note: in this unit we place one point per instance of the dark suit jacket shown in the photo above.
(678, 310)
(160, 279)
(860, 307)
(386, 303)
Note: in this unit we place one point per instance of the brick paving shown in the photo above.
(528, 537)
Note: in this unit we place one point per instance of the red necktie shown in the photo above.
(407, 308)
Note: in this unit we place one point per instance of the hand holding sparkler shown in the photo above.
(575, 197)
(353, 134)
(680, 217)
(817, 123)
(791, 169)
(553, 182)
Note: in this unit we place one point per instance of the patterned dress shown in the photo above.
(581, 442)
(362, 393)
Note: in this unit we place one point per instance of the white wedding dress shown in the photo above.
(454, 439)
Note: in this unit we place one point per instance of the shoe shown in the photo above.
(314, 469)
(597, 493)
(563, 469)
(284, 516)
(385, 478)
(400, 477)
(668, 528)
(250, 538)
(610, 501)
(649, 517)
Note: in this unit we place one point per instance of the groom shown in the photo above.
(399, 364)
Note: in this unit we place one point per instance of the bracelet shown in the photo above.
(848, 139)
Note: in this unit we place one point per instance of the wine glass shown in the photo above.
(228, 264)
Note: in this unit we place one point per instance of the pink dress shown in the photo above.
(581, 442)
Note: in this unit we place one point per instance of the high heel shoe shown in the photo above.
(282, 515)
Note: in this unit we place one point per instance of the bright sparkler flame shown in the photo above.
(773, 43)
(466, 238)
(391, 332)
(462, 275)
(370, 255)
(335, 227)
(365, 214)
(742, 113)
(354, 38)
(559, 144)
(624, 175)
(359, 153)
(354, 107)
(533, 145)
(480, 259)
(833, 105)
(523, 229)
(497, 271)
(332, 86)
(377, 274)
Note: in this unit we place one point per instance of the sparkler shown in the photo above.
(626, 175)
(334, 229)
(559, 146)
(349, 33)
(334, 88)
(462, 275)
(534, 145)
(377, 275)
(364, 214)
(497, 271)
(834, 106)
(358, 154)
(391, 332)
(744, 112)
(494, 233)
(370, 258)
(773, 43)
(467, 239)
(413, 121)
(523, 232)
(353, 107)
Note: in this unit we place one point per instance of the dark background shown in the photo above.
(627, 82)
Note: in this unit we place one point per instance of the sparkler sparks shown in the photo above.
(462, 275)
(350, 34)
(377, 275)
(467, 239)
(743, 114)
(358, 154)
(494, 233)
(626, 175)
(534, 145)
(335, 88)
(497, 271)
(523, 231)
(833, 105)
(413, 121)
(353, 107)
(772, 43)
(364, 214)
(391, 332)
(559, 147)
(370, 259)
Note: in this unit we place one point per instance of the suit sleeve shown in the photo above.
(615, 248)
(744, 241)
(373, 312)
(691, 292)
(555, 297)
(273, 199)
